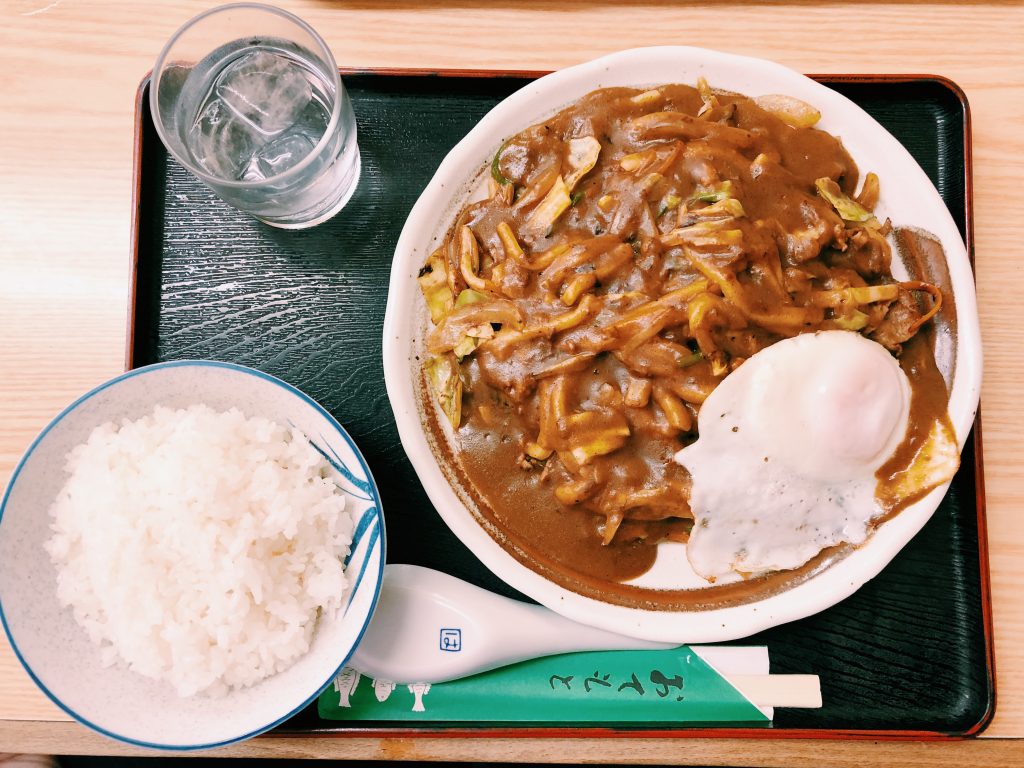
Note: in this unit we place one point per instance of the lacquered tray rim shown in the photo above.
(659, 730)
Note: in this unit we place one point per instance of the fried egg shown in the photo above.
(789, 445)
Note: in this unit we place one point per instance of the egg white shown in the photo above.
(789, 444)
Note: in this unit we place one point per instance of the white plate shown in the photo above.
(908, 198)
(55, 650)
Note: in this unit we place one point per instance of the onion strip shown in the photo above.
(469, 262)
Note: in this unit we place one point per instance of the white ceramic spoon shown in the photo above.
(430, 627)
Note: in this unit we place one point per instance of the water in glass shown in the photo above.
(253, 109)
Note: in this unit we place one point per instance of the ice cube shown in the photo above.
(313, 121)
(266, 90)
(221, 143)
(283, 153)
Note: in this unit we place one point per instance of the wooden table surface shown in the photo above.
(70, 72)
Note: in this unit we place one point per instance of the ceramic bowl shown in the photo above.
(908, 198)
(55, 650)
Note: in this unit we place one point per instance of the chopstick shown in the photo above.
(746, 667)
(802, 691)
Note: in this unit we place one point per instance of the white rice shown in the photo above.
(200, 547)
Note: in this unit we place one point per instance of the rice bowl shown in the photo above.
(59, 655)
(200, 547)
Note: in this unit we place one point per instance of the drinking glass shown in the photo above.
(248, 98)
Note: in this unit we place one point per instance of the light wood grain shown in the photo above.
(736, 753)
(70, 72)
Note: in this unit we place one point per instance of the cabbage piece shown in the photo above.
(855, 321)
(649, 181)
(596, 433)
(790, 110)
(474, 337)
(554, 204)
(637, 160)
(707, 96)
(856, 295)
(576, 491)
(716, 232)
(691, 359)
(647, 97)
(496, 191)
(583, 154)
(714, 194)
(537, 451)
(433, 281)
(707, 313)
(469, 296)
(465, 347)
(669, 203)
(869, 191)
(729, 208)
(542, 180)
(474, 334)
(496, 173)
(443, 375)
(935, 463)
(471, 315)
(847, 208)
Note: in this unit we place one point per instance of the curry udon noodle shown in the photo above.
(631, 252)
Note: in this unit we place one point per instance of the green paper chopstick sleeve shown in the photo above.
(673, 686)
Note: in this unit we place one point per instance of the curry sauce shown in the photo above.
(632, 251)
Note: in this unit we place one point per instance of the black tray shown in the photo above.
(908, 655)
